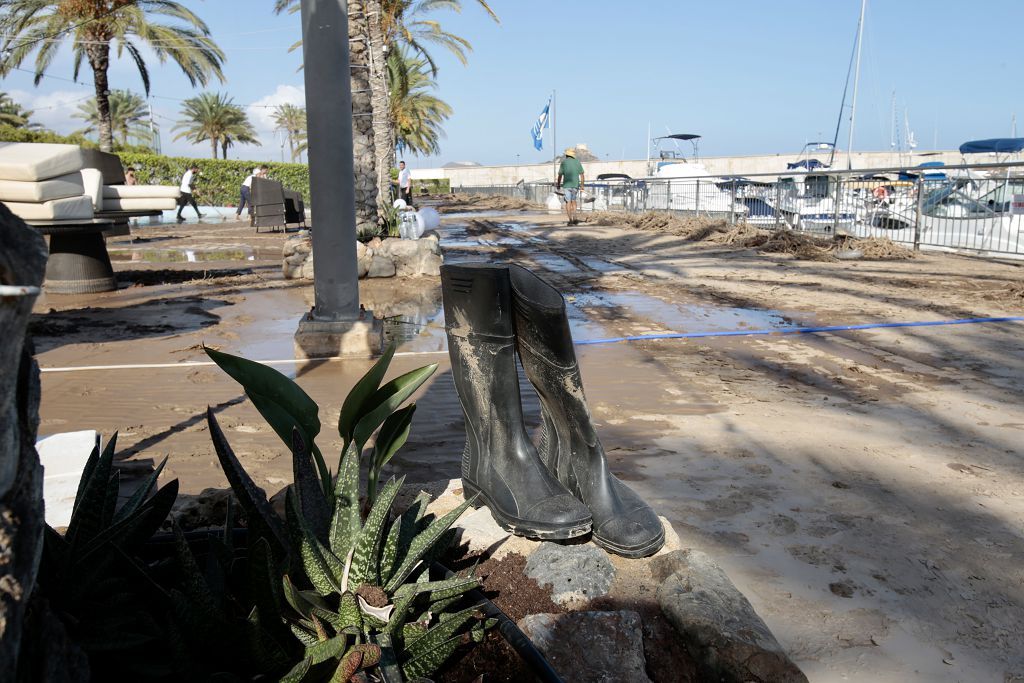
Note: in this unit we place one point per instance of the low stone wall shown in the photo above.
(377, 258)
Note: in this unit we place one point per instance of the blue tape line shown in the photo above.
(797, 330)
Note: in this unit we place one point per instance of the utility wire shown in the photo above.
(65, 30)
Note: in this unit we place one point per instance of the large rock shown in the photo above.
(718, 624)
(575, 572)
(590, 647)
(22, 267)
(381, 266)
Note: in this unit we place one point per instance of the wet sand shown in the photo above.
(864, 489)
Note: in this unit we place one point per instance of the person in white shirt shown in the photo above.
(188, 182)
(404, 183)
(246, 198)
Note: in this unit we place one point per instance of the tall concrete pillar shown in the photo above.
(336, 325)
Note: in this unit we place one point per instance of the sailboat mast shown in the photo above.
(856, 82)
(554, 135)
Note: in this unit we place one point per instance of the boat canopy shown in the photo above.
(809, 164)
(679, 136)
(994, 145)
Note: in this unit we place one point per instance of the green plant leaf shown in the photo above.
(430, 661)
(440, 590)
(264, 586)
(348, 667)
(87, 518)
(250, 496)
(283, 422)
(140, 526)
(422, 544)
(439, 634)
(89, 469)
(327, 649)
(403, 531)
(349, 612)
(298, 672)
(391, 437)
(321, 566)
(140, 495)
(309, 489)
(304, 635)
(301, 601)
(353, 407)
(366, 559)
(346, 522)
(387, 399)
(261, 380)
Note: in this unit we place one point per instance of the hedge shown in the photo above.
(219, 180)
(12, 134)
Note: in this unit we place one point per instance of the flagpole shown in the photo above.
(554, 137)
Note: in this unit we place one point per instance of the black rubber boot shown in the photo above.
(623, 523)
(500, 463)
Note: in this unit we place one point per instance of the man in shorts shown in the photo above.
(570, 181)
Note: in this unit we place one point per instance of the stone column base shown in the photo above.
(327, 339)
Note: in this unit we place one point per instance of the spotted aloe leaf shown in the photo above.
(365, 561)
(431, 649)
(346, 523)
(250, 497)
(349, 613)
(422, 544)
(322, 567)
(349, 665)
(316, 509)
(87, 515)
(298, 672)
(302, 602)
(400, 536)
(327, 649)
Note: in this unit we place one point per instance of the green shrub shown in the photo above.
(11, 134)
(219, 180)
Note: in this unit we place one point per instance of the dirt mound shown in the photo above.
(484, 202)
(801, 245)
(693, 228)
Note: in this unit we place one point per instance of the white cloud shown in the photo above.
(261, 113)
(54, 110)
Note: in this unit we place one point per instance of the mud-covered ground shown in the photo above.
(864, 488)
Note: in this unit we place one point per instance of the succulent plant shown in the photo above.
(358, 580)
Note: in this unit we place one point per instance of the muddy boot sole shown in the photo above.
(521, 527)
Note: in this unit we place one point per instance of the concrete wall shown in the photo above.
(737, 165)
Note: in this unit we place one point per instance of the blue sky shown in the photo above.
(752, 77)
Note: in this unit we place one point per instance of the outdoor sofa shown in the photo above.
(275, 207)
(59, 190)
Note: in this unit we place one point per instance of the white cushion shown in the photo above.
(133, 191)
(53, 210)
(38, 161)
(140, 204)
(92, 182)
(69, 185)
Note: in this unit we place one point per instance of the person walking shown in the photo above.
(246, 198)
(404, 184)
(188, 182)
(570, 181)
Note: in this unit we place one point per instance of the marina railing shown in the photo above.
(977, 208)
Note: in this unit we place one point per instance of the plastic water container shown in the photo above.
(399, 204)
(411, 226)
(553, 203)
(431, 218)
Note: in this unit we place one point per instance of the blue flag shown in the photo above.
(538, 128)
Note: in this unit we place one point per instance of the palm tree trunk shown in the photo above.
(213, 144)
(364, 157)
(383, 126)
(99, 59)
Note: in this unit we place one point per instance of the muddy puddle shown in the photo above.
(685, 317)
(145, 254)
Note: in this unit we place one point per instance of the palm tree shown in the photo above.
(129, 117)
(13, 114)
(214, 117)
(94, 27)
(391, 24)
(292, 120)
(417, 113)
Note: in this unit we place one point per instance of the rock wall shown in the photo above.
(377, 258)
(22, 264)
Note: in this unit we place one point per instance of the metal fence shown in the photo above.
(975, 208)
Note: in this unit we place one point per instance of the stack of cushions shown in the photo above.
(43, 182)
(103, 177)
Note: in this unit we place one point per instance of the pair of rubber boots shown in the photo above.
(562, 487)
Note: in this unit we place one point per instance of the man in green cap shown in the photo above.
(570, 181)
